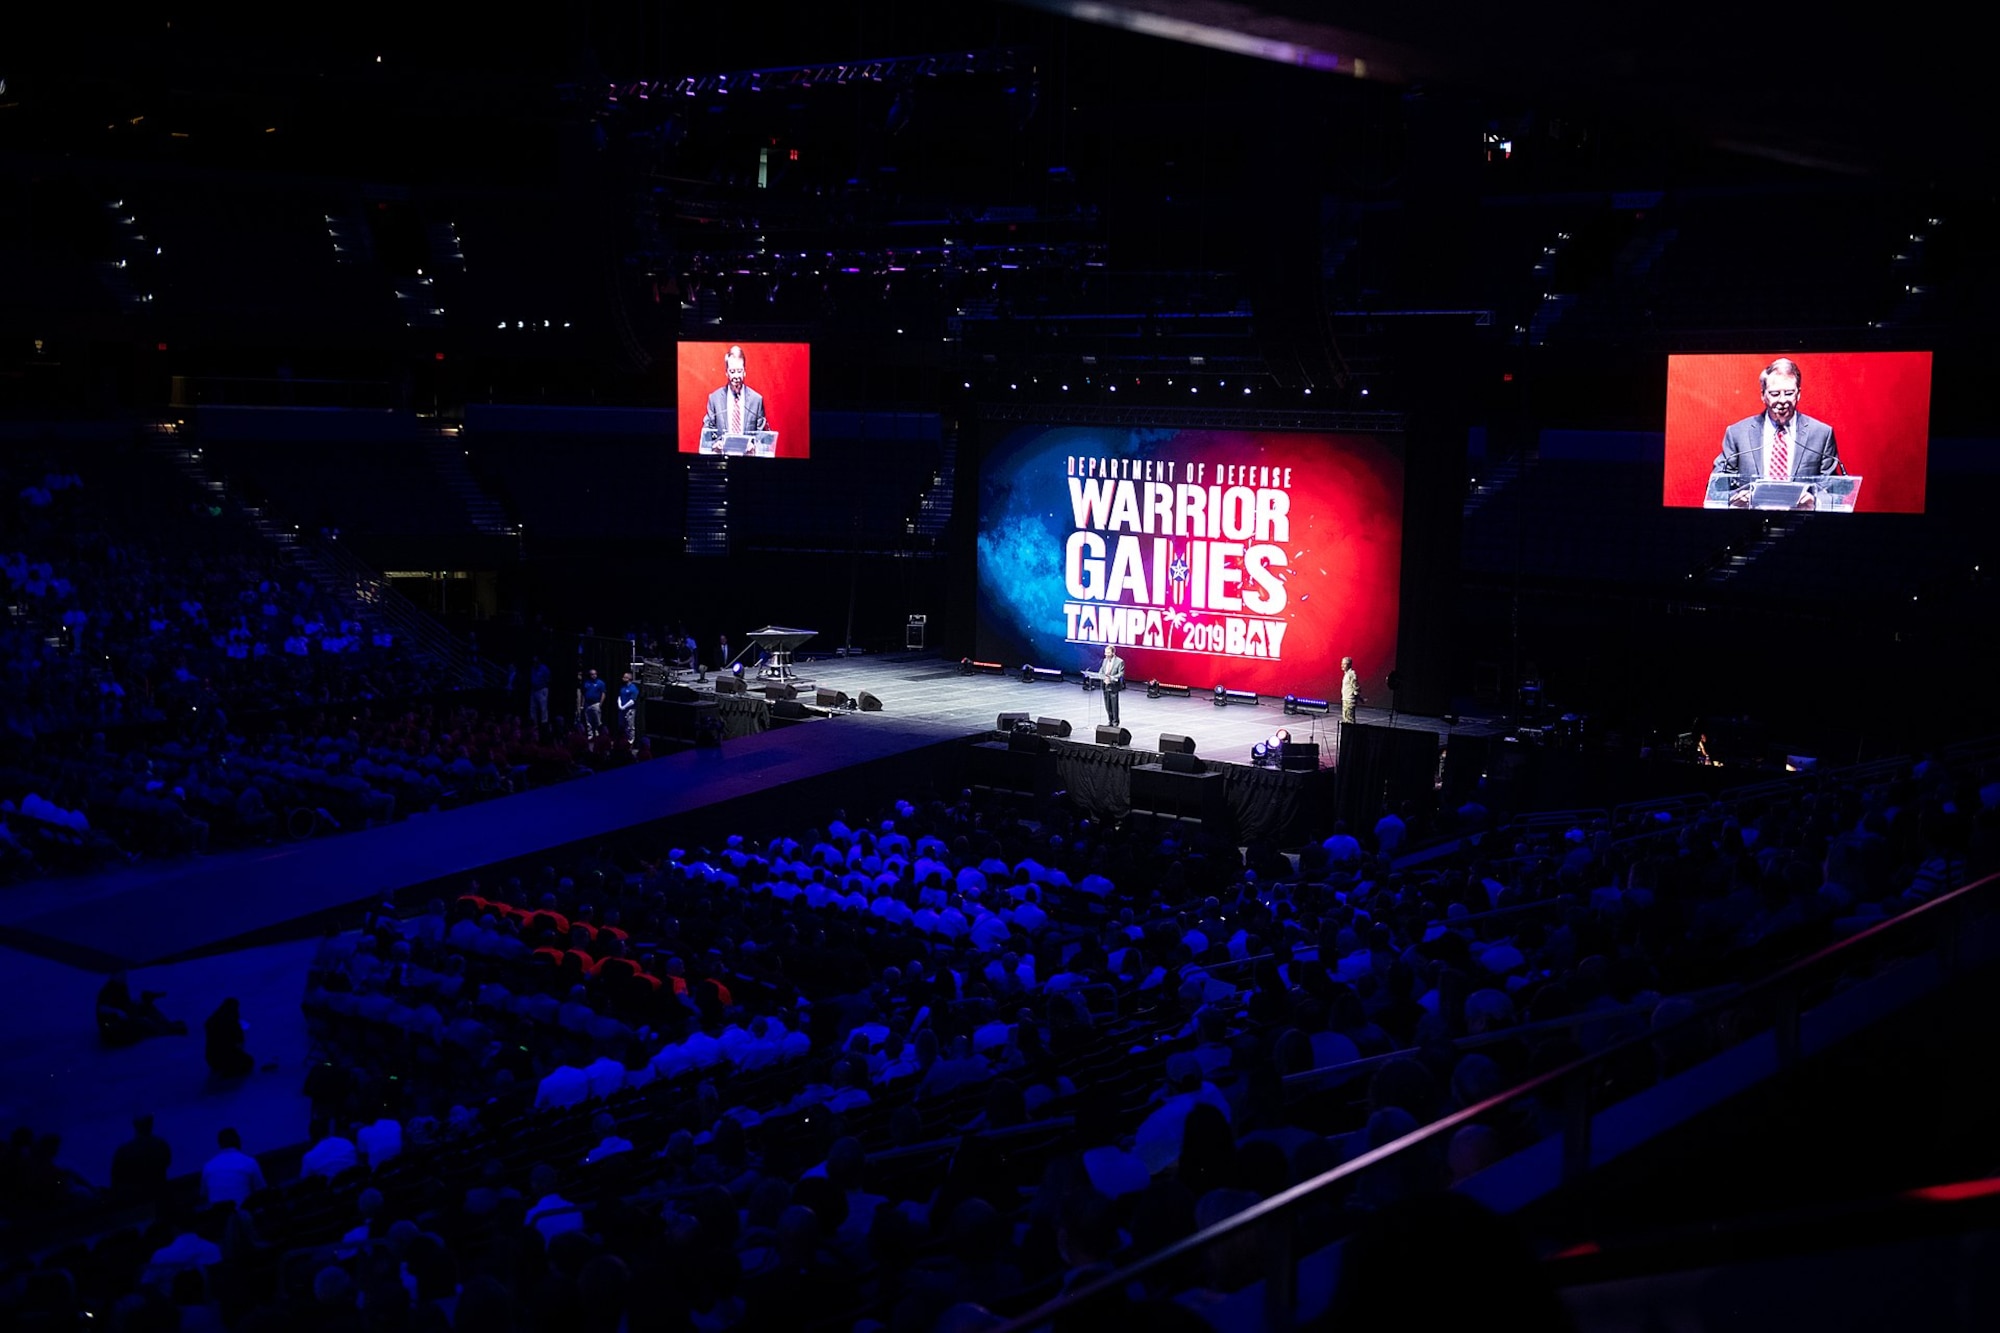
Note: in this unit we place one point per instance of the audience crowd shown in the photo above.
(947, 1062)
(169, 684)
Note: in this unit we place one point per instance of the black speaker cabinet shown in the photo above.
(1171, 743)
(1009, 721)
(1107, 735)
(1298, 757)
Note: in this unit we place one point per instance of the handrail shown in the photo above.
(1279, 1246)
(1472, 1041)
(1498, 913)
(1541, 819)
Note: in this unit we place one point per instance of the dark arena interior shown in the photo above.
(997, 664)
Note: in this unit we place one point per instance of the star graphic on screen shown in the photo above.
(1177, 572)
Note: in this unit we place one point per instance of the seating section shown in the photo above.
(856, 492)
(383, 487)
(954, 1053)
(1593, 522)
(172, 684)
(585, 489)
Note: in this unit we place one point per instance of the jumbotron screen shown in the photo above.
(1252, 560)
(752, 400)
(1814, 432)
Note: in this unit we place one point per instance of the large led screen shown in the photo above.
(1251, 560)
(747, 399)
(1855, 434)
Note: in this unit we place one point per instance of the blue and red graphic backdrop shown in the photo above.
(1255, 560)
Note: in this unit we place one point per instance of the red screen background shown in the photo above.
(1878, 403)
(782, 372)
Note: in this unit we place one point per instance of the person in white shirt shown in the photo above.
(379, 1141)
(551, 1214)
(187, 1250)
(329, 1157)
(232, 1175)
(564, 1086)
(610, 1142)
(605, 1076)
(1389, 833)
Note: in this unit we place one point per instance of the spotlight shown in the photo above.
(1271, 751)
(967, 666)
(1031, 674)
(1225, 697)
(1298, 704)
(1155, 689)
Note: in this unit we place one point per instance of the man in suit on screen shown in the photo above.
(1780, 443)
(735, 408)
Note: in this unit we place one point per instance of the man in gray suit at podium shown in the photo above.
(1780, 443)
(735, 408)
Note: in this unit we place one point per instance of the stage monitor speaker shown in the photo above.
(1029, 742)
(1173, 744)
(789, 708)
(1298, 757)
(1179, 761)
(1052, 726)
(1009, 721)
(869, 703)
(781, 690)
(729, 685)
(832, 698)
(1113, 736)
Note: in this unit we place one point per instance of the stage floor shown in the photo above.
(928, 691)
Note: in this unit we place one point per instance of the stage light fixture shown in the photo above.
(1224, 697)
(1030, 673)
(1297, 704)
(1155, 689)
(968, 666)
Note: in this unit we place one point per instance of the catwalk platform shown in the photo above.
(931, 719)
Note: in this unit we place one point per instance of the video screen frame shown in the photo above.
(1856, 435)
(747, 399)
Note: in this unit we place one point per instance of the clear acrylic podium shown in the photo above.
(1820, 495)
(749, 444)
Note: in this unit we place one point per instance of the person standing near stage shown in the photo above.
(1350, 689)
(1114, 682)
(628, 710)
(538, 693)
(593, 705)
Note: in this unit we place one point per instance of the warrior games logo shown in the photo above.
(1271, 554)
(1186, 557)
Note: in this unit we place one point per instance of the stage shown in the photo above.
(929, 691)
(934, 732)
